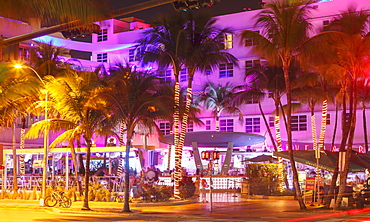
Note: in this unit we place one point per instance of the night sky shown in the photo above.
(224, 7)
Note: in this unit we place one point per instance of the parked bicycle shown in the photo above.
(58, 197)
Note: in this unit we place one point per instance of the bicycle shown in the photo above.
(58, 197)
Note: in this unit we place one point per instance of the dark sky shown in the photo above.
(224, 7)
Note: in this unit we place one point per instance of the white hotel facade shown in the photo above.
(116, 43)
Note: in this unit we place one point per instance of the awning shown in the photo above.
(261, 158)
(327, 160)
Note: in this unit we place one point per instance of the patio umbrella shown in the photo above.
(327, 160)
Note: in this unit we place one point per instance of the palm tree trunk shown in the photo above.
(87, 175)
(313, 126)
(289, 135)
(126, 204)
(184, 122)
(323, 124)
(15, 162)
(365, 127)
(267, 126)
(74, 161)
(345, 130)
(351, 133)
(21, 145)
(277, 126)
(178, 149)
(169, 157)
(217, 123)
(335, 124)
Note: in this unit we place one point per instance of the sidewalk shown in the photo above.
(232, 207)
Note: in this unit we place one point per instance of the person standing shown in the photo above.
(203, 190)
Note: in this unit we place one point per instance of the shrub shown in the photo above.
(187, 187)
(155, 192)
(263, 179)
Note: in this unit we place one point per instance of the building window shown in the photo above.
(325, 25)
(24, 54)
(251, 101)
(299, 123)
(327, 119)
(208, 124)
(190, 126)
(165, 75)
(133, 55)
(250, 41)
(165, 128)
(227, 41)
(103, 35)
(208, 72)
(252, 125)
(271, 121)
(255, 63)
(227, 125)
(183, 75)
(226, 70)
(102, 57)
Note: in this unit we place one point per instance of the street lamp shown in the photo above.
(45, 158)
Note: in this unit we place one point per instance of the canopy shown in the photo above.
(262, 158)
(218, 139)
(327, 160)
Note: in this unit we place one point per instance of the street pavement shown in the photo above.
(224, 207)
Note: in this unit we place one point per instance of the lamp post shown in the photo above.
(45, 158)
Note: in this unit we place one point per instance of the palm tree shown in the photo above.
(364, 99)
(218, 99)
(138, 101)
(264, 82)
(17, 92)
(312, 89)
(285, 27)
(46, 59)
(63, 15)
(345, 48)
(184, 41)
(76, 110)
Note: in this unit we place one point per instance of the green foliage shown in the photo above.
(263, 179)
(187, 187)
(156, 192)
(99, 192)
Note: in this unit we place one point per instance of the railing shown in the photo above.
(113, 183)
(221, 183)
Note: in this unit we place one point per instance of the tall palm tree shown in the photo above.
(184, 41)
(264, 82)
(311, 89)
(346, 47)
(138, 100)
(218, 98)
(17, 92)
(364, 100)
(163, 44)
(76, 110)
(284, 28)
(46, 58)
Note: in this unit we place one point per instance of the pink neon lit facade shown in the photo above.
(116, 43)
